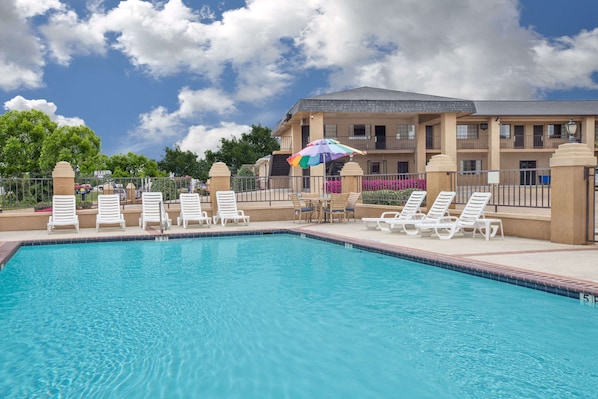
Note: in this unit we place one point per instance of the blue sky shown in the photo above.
(145, 75)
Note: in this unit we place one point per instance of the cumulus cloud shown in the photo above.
(202, 138)
(21, 57)
(20, 103)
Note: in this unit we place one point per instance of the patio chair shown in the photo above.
(191, 210)
(469, 219)
(227, 208)
(300, 208)
(435, 214)
(337, 206)
(351, 202)
(64, 212)
(109, 211)
(410, 211)
(152, 210)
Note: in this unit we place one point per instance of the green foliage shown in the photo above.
(246, 150)
(167, 187)
(245, 180)
(77, 145)
(387, 197)
(22, 134)
(180, 163)
(133, 165)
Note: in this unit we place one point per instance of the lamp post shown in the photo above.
(571, 129)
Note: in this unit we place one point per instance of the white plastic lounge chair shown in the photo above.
(152, 210)
(468, 220)
(109, 211)
(64, 212)
(191, 210)
(410, 211)
(227, 208)
(435, 214)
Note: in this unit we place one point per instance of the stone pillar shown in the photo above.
(219, 181)
(440, 173)
(64, 179)
(351, 177)
(130, 192)
(448, 135)
(570, 204)
(316, 132)
(420, 148)
(493, 144)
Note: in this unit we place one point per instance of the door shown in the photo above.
(429, 137)
(519, 133)
(380, 132)
(538, 136)
(307, 171)
(402, 167)
(527, 177)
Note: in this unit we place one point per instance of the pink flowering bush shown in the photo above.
(334, 186)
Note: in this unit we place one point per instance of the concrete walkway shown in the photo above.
(570, 267)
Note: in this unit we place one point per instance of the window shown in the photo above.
(467, 131)
(474, 165)
(359, 131)
(505, 131)
(405, 132)
(554, 131)
(329, 131)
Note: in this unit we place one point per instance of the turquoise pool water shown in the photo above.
(278, 316)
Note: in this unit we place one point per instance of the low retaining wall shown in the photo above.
(516, 225)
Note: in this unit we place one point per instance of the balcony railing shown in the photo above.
(369, 143)
(473, 144)
(532, 142)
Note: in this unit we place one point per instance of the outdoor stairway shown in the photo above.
(279, 165)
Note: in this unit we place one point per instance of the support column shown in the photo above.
(493, 144)
(440, 172)
(587, 134)
(219, 181)
(570, 203)
(448, 135)
(63, 176)
(351, 178)
(316, 132)
(420, 148)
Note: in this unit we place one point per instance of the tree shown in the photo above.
(246, 150)
(133, 165)
(180, 163)
(77, 145)
(22, 134)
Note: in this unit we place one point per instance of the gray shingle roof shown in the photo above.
(536, 108)
(369, 99)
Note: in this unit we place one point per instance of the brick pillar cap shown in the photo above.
(219, 169)
(351, 169)
(573, 154)
(63, 169)
(441, 163)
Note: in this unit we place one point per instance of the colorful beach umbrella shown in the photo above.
(321, 151)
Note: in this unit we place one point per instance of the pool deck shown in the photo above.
(567, 267)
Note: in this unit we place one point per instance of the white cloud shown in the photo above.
(31, 8)
(193, 102)
(202, 138)
(20, 103)
(21, 58)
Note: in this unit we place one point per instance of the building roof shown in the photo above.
(370, 99)
(536, 108)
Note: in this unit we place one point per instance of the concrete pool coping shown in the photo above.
(557, 268)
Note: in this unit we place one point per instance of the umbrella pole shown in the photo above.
(324, 155)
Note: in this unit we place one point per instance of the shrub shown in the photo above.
(244, 180)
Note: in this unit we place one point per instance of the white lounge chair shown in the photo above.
(468, 220)
(152, 210)
(64, 212)
(410, 211)
(227, 208)
(191, 210)
(109, 211)
(435, 214)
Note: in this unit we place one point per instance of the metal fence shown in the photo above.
(16, 193)
(529, 188)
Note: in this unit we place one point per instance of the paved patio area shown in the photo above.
(569, 267)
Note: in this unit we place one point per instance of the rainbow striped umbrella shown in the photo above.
(321, 151)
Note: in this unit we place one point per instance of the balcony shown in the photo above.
(370, 143)
(531, 142)
(481, 143)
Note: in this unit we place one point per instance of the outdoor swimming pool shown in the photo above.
(278, 316)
